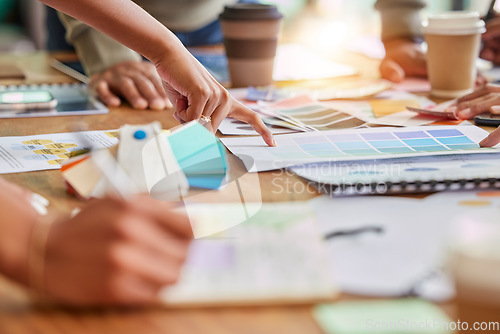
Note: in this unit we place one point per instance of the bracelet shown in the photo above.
(36, 257)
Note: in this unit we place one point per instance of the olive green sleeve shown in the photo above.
(96, 51)
(400, 18)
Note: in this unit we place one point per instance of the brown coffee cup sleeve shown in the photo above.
(250, 49)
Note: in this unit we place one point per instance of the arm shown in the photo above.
(402, 37)
(130, 250)
(96, 51)
(115, 71)
(190, 88)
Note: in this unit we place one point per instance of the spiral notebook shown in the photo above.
(404, 175)
(72, 99)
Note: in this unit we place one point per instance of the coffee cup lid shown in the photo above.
(250, 12)
(454, 23)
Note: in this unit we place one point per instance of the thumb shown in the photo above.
(391, 70)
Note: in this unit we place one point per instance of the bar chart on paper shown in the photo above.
(349, 145)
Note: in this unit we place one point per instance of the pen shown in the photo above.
(356, 231)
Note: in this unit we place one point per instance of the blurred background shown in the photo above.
(324, 25)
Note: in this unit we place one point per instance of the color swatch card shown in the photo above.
(439, 110)
(360, 144)
(200, 155)
(303, 111)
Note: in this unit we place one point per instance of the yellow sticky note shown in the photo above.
(64, 156)
(37, 142)
(112, 134)
(60, 145)
(55, 162)
(54, 151)
(384, 107)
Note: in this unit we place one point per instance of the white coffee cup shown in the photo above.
(475, 267)
(453, 41)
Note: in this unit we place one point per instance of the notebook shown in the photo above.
(72, 99)
(404, 175)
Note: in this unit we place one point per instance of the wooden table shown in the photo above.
(19, 315)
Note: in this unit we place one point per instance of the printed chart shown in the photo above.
(41, 152)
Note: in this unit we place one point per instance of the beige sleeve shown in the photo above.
(400, 18)
(96, 50)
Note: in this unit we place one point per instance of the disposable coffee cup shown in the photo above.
(453, 41)
(250, 39)
(475, 267)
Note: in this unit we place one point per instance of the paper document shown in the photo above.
(276, 256)
(360, 144)
(376, 248)
(42, 152)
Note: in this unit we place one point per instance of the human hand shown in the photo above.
(491, 41)
(138, 82)
(116, 253)
(492, 139)
(194, 92)
(482, 100)
(403, 58)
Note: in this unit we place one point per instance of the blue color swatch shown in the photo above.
(377, 143)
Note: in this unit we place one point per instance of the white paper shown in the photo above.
(404, 257)
(277, 255)
(42, 152)
(300, 148)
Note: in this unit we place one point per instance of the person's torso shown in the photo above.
(184, 15)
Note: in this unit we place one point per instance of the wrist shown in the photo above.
(14, 253)
(167, 46)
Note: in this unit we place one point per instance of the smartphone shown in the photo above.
(26, 100)
(487, 119)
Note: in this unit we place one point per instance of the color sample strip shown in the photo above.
(378, 143)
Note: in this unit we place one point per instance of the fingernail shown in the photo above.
(140, 104)
(464, 113)
(176, 116)
(113, 102)
(483, 142)
(274, 142)
(157, 105)
(495, 110)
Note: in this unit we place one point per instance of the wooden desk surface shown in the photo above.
(18, 315)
